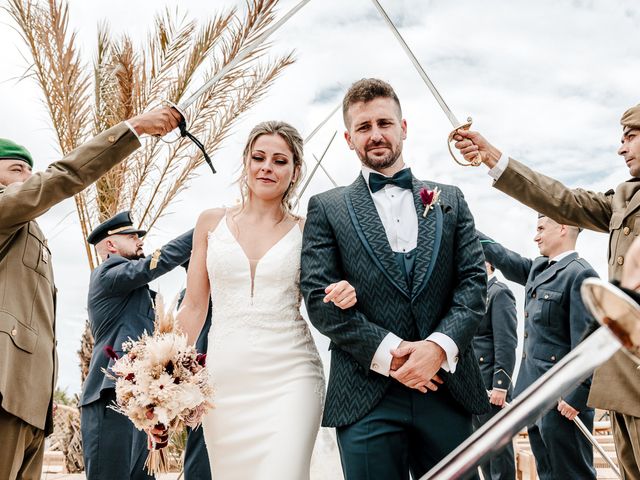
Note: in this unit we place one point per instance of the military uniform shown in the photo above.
(555, 321)
(495, 345)
(616, 384)
(28, 295)
(120, 307)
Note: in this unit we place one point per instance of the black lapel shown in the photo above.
(368, 225)
(429, 234)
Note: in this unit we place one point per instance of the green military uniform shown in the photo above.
(616, 384)
(28, 293)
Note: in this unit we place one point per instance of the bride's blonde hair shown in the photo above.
(294, 141)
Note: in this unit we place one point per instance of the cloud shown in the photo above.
(545, 81)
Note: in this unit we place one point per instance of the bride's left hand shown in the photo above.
(342, 294)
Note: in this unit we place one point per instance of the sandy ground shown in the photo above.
(325, 464)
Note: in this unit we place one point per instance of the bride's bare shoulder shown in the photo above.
(209, 219)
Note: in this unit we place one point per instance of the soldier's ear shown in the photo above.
(111, 246)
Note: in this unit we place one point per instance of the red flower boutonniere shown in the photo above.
(429, 199)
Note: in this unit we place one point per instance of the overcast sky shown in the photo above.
(545, 81)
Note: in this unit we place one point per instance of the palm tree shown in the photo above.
(125, 79)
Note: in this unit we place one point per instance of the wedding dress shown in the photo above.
(265, 368)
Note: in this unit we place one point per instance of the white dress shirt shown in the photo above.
(397, 211)
(133, 130)
(559, 257)
(499, 168)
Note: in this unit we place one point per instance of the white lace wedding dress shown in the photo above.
(266, 371)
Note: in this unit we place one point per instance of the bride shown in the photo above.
(266, 371)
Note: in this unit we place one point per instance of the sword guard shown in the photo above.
(473, 163)
(182, 126)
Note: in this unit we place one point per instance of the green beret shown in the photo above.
(9, 149)
(631, 118)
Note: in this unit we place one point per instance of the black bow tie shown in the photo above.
(402, 179)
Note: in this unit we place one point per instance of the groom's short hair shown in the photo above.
(365, 90)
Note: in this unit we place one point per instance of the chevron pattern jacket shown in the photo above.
(345, 239)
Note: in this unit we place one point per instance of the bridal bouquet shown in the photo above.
(162, 383)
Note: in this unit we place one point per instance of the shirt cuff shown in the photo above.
(499, 167)
(381, 362)
(133, 130)
(498, 390)
(450, 349)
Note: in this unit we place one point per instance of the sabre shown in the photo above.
(432, 88)
(244, 53)
(620, 316)
(311, 135)
(235, 61)
(588, 435)
(318, 164)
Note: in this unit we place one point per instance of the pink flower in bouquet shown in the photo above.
(110, 352)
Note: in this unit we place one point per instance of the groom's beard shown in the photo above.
(380, 162)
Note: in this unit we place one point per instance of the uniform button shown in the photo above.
(526, 314)
(533, 295)
(553, 358)
(620, 260)
(526, 334)
(626, 230)
(546, 297)
(14, 332)
(112, 138)
(524, 355)
(499, 382)
(482, 359)
(375, 366)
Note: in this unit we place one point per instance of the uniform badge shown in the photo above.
(154, 259)
(45, 254)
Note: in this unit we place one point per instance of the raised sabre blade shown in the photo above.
(244, 53)
(434, 91)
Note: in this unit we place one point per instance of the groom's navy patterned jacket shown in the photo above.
(345, 239)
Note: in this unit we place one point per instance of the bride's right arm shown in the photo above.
(193, 310)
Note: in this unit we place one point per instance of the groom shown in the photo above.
(404, 381)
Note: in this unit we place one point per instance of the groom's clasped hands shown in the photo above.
(416, 364)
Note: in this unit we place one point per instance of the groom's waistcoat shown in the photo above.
(344, 239)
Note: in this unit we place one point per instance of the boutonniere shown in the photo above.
(429, 199)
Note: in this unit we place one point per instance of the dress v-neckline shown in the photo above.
(253, 268)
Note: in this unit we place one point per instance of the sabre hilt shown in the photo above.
(182, 126)
(477, 161)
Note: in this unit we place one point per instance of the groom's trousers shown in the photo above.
(407, 431)
(113, 448)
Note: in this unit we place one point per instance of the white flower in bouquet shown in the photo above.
(162, 382)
